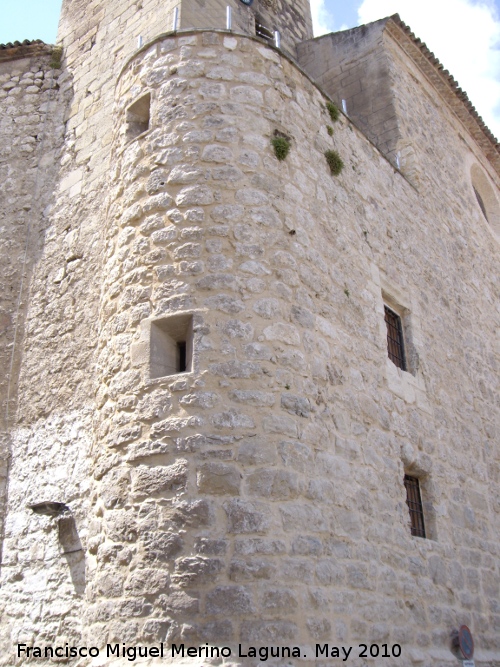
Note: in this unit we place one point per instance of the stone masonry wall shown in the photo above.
(51, 426)
(292, 19)
(51, 431)
(259, 497)
(30, 131)
(352, 65)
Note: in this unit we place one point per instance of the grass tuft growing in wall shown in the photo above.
(56, 57)
(281, 147)
(329, 129)
(333, 111)
(335, 162)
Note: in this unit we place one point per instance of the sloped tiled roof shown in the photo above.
(29, 47)
(446, 85)
(26, 42)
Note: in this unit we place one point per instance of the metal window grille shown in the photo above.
(395, 345)
(414, 502)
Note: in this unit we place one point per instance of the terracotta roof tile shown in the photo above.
(27, 48)
(26, 42)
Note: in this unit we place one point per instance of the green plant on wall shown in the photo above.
(329, 129)
(56, 56)
(281, 147)
(335, 162)
(333, 111)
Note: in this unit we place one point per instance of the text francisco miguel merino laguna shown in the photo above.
(131, 653)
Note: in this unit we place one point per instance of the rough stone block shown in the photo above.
(246, 517)
(196, 570)
(158, 479)
(219, 479)
(268, 632)
(278, 601)
(275, 484)
(228, 600)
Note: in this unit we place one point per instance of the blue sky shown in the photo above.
(463, 34)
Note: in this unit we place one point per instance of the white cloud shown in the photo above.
(464, 35)
(321, 17)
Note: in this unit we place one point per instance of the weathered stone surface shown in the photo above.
(149, 481)
(219, 478)
(268, 632)
(162, 546)
(273, 483)
(196, 570)
(248, 570)
(289, 400)
(147, 582)
(279, 601)
(246, 517)
(225, 600)
(115, 488)
(193, 513)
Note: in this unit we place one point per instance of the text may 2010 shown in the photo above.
(364, 651)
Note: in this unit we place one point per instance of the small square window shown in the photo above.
(415, 508)
(395, 341)
(138, 117)
(171, 347)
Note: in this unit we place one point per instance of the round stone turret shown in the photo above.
(211, 367)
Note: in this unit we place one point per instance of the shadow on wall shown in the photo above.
(5, 454)
(72, 550)
(27, 234)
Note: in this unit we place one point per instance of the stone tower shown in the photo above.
(197, 342)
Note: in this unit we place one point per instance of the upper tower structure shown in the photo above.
(122, 23)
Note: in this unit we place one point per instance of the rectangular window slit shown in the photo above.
(395, 343)
(414, 502)
(181, 347)
(263, 31)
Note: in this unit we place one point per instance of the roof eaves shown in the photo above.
(29, 47)
(448, 87)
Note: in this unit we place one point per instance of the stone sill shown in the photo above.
(411, 388)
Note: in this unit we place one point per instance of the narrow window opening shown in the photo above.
(171, 348)
(395, 342)
(262, 30)
(138, 117)
(486, 197)
(181, 346)
(415, 508)
(480, 202)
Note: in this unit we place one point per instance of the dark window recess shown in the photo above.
(171, 347)
(414, 502)
(263, 31)
(138, 117)
(395, 344)
(481, 203)
(181, 354)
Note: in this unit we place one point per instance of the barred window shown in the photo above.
(414, 502)
(395, 344)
